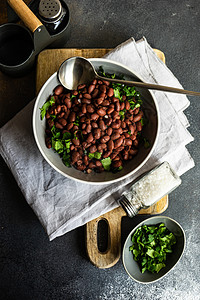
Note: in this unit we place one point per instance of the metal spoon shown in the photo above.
(78, 70)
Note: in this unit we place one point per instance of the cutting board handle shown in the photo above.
(25, 14)
(111, 256)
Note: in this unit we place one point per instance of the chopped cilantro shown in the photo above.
(96, 155)
(46, 106)
(66, 159)
(106, 162)
(151, 245)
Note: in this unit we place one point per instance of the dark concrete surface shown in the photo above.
(33, 268)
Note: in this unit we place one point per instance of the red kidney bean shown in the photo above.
(102, 125)
(94, 125)
(139, 126)
(135, 143)
(72, 117)
(116, 124)
(58, 125)
(110, 110)
(87, 96)
(101, 112)
(105, 139)
(114, 99)
(99, 101)
(118, 130)
(95, 93)
(89, 138)
(90, 109)
(97, 133)
(83, 126)
(115, 136)
(93, 149)
(127, 105)
(122, 106)
(115, 114)
(113, 155)
(105, 103)
(109, 131)
(69, 126)
(84, 110)
(76, 142)
(106, 154)
(131, 128)
(102, 88)
(117, 106)
(125, 157)
(110, 145)
(47, 116)
(91, 165)
(58, 90)
(85, 159)
(98, 163)
(137, 117)
(106, 82)
(81, 86)
(88, 128)
(63, 122)
(110, 92)
(123, 124)
(117, 164)
(75, 156)
(94, 116)
(133, 137)
(118, 142)
(61, 115)
(99, 148)
(91, 88)
(85, 100)
(102, 95)
(68, 102)
(128, 142)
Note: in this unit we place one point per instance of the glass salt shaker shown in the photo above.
(153, 186)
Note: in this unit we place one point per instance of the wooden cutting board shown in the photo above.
(48, 63)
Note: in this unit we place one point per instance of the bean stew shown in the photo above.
(96, 127)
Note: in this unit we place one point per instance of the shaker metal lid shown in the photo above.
(50, 10)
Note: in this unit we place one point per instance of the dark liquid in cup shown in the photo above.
(16, 50)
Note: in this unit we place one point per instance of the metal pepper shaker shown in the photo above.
(150, 188)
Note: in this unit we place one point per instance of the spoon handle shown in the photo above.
(150, 86)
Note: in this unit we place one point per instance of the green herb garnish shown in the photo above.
(151, 244)
(96, 155)
(46, 106)
(106, 162)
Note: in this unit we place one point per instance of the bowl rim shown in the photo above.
(139, 225)
(81, 180)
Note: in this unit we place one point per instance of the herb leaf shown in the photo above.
(106, 162)
(46, 106)
(150, 247)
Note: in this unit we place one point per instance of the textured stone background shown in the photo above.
(33, 268)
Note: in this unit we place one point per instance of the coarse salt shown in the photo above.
(149, 189)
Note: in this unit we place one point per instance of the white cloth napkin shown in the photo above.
(62, 204)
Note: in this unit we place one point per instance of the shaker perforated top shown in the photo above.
(50, 10)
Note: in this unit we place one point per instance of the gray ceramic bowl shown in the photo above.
(132, 267)
(150, 131)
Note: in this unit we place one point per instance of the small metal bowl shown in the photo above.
(150, 131)
(132, 267)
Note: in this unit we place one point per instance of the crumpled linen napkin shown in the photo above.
(62, 204)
